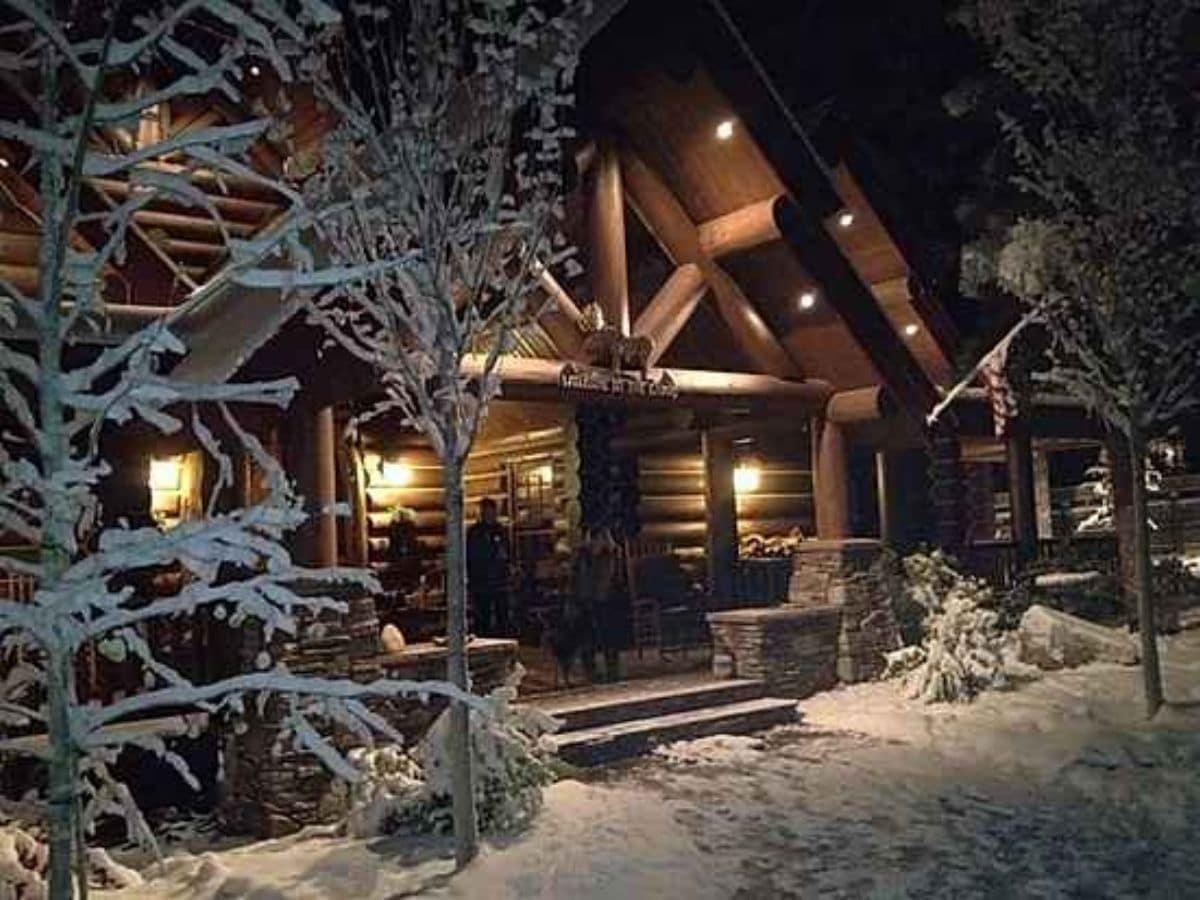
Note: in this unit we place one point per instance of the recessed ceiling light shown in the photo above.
(255, 71)
(846, 218)
(725, 130)
(911, 329)
(808, 299)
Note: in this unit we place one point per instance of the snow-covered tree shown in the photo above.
(71, 64)
(448, 151)
(1107, 153)
(961, 649)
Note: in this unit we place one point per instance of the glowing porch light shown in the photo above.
(845, 219)
(165, 474)
(746, 478)
(911, 329)
(808, 299)
(255, 71)
(725, 130)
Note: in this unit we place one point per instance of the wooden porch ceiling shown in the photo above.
(725, 184)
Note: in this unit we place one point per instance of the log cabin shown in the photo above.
(793, 334)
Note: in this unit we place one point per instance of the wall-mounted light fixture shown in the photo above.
(747, 477)
(387, 474)
(544, 474)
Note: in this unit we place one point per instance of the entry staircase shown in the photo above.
(606, 725)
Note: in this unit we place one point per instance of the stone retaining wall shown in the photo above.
(269, 791)
(793, 650)
(836, 626)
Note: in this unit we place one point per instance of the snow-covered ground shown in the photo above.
(1057, 789)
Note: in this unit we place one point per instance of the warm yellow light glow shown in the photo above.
(387, 473)
(846, 218)
(747, 478)
(396, 474)
(725, 130)
(911, 329)
(544, 474)
(165, 473)
(808, 299)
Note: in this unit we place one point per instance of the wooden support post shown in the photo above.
(606, 220)
(310, 457)
(720, 512)
(669, 310)
(831, 479)
(887, 483)
(1043, 499)
(1022, 514)
(1121, 472)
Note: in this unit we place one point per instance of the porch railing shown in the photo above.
(999, 562)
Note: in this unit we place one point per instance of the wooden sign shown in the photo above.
(615, 383)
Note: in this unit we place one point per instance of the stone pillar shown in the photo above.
(310, 456)
(1022, 504)
(720, 512)
(845, 575)
(831, 479)
(946, 479)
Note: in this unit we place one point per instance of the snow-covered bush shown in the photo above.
(410, 791)
(961, 651)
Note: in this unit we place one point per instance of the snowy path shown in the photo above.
(1056, 790)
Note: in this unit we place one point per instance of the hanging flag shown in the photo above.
(1001, 396)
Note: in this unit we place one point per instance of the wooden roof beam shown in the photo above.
(856, 306)
(560, 317)
(674, 230)
(538, 379)
(606, 231)
(669, 310)
(745, 228)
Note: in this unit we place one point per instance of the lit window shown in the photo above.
(164, 474)
(725, 130)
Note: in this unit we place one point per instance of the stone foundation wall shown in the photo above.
(270, 790)
(793, 650)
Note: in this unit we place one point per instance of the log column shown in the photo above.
(1043, 498)
(720, 511)
(887, 483)
(606, 223)
(311, 459)
(1022, 504)
(831, 479)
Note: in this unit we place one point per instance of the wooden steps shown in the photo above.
(604, 729)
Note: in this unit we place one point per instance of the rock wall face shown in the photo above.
(837, 623)
(270, 789)
(792, 650)
(844, 574)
